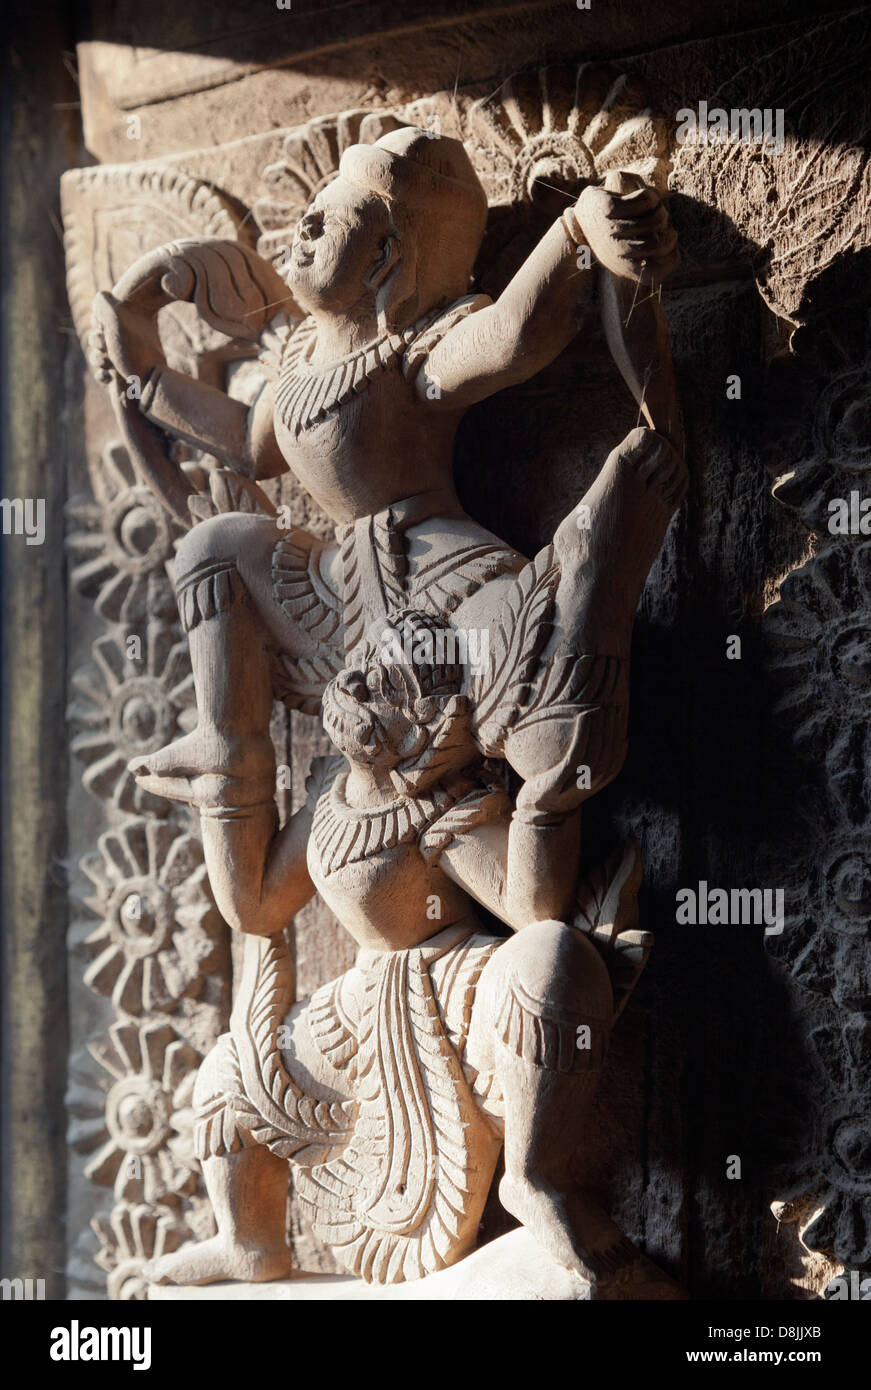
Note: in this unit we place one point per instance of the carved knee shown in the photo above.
(552, 960)
(551, 1000)
(208, 572)
(219, 538)
(566, 761)
(217, 1128)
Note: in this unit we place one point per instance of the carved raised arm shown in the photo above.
(235, 292)
(623, 226)
(531, 322)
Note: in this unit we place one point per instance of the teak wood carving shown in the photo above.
(475, 700)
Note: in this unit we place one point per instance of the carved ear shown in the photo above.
(387, 262)
(395, 283)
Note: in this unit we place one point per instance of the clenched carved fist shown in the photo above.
(626, 226)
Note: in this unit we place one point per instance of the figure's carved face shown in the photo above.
(393, 712)
(369, 716)
(340, 246)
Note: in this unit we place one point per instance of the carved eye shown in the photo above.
(312, 224)
(356, 687)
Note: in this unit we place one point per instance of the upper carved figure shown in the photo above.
(393, 348)
(388, 351)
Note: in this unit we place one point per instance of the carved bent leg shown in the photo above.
(569, 740)
(247, 1187)
(605, 547)
(223, 582)
(548, 995)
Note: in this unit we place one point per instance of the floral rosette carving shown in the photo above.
(565, 126)
(121, 542)
(830, 1199)
(128, 706)
(131, 1235)
(818, 642)
(830, 456)
(826, 942)
(819, 656)
(159, 933)
(127, 1122)
(538, 139)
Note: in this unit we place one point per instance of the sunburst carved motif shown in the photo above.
(564, 126)
(138, 1150)
(158, 937)
(561, 125)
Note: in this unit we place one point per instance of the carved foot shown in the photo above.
(573, 1230)
(201, 767)
(208, 750)
(658, 464)
(218, 1258)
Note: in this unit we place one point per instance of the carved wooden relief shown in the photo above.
(469, 586)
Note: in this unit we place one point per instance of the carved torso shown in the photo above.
(331, 419)
(363, 862)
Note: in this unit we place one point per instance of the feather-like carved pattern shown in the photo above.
(306, 392)
(402, 1199)
(332, 1031)
(392, 560)
(276, 1111)
(440, 587)
(607, 912)
(567, 685)
(354, 611)
(301, 684)
(500, 692)
(229, 491)
(300, 585)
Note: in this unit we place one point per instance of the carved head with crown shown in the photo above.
(398, 708)
(396, 232)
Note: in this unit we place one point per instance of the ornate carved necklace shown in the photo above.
(344, 835)
(308, 391)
